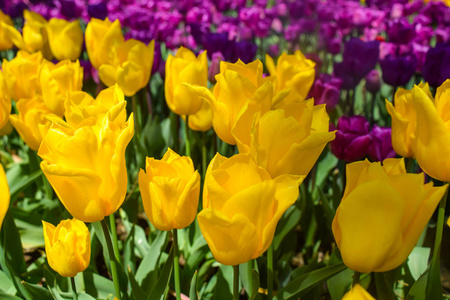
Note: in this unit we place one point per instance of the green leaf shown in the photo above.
(417, 291)
(19, 178)
(306, 282)
(98, 286)
(37, 292)
(193, 295)
(255, 285)
(246, 276)
(339, 284)
(150, 261)
(289, 220)
(101, 237)
(136, 290)
(6, 296)
(417, 261)
(161, 287)
(385, 290)
(223, 289)
(129, 257)
(6, 284)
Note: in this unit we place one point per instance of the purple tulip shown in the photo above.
(326, 90)
(398, 70)
(373, 81)
(400, 32)
(98, 10)
(352, 138)
(380, 147)
(359, 58)
(436, 68)
(214, 69)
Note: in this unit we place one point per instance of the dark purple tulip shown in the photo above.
(157, 59)
(352, 138)
(71, 9)
(400, 31)
(326, 90)
(397, 71)
(380, 147)
(359, 58)
(98, 10)
(373, 81)
(13, 8)
(436, 68)
(243, 50)
(214, 68)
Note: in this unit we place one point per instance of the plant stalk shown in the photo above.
(114, 261)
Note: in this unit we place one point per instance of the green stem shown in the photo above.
(74, 288)
(236, 282)
(137, 125)
(113, 259)
(270, 272)
(356, 277)
(176, 264)
(186, 134)
(115, 244)
(204, 155)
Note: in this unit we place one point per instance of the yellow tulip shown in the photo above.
(21, 74)
(65, 38)
(239, 94)
(68, 246)
(130, 66)
(382, 214)
(5, 102)
(293, 76)
(184, 67)
(33, 37)
(294, 144)
(57, 80)
(85, 164)
(404, 120)
(32, 123)
(432, 143)
(4, 195)
(5, 41)
(102, 38)
(357, 293)
(242, 205)
(170, 191)
(201, 120)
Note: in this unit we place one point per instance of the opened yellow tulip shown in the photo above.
(33, 37)
(130, 66)
(5, 102)
(293, 76)
(382, 214)
(404, 120)
(68, 246)
(85, 164)
(184, 67)
(102, 37)
(432, 143)
(21, 75)
(170, 191)
(32, 123)
(242, 205)
(294, 144)
(4, 195)
(65, 38)
(5, 41)
(239, 94)
(57, 80)
(357, 293)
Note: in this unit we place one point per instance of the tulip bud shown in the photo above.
(242, 205)
(380, 146)
(373, 81)
(382, 214)
(326, 90)
(170, 191)
(68, 246)
(4, 195)
(5, 41)
(357, 293)
(214, 69)
(65, 38)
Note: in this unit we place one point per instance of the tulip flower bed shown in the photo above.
(224, 149)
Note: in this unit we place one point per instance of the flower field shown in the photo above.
(185, 149)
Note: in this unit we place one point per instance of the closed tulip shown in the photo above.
(5, 41)
(170, 190)
(33, 37)
(102, 37)
(357, 293)
(85, 164)
(21, 74)
(242, 205)
(403, 116)
(382, 214)
(130, 66)
(65, 38)
(184, 67)
(201, 120)
(68, 246)
(32, 123)
(294, 144)
(432, 135)
(293, 74)
(4, 195)
(239, 94)
(56, 80)
(5, 102)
